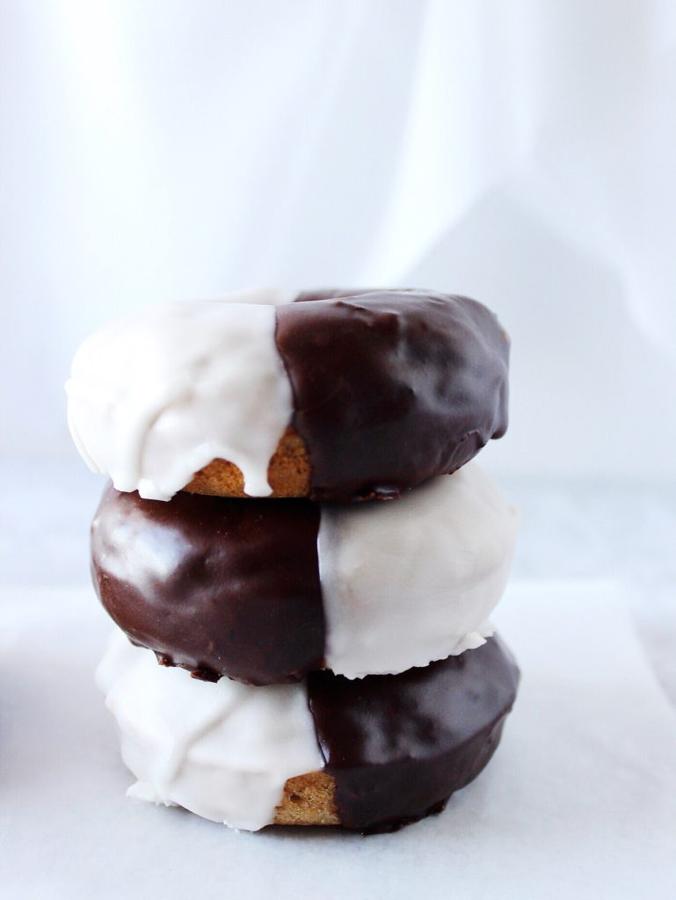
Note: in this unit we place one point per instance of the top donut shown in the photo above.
(332, 395)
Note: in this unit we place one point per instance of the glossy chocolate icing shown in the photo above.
(399, 745)
(214, 585)
(391, 387)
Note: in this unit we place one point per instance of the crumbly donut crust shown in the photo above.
(308, 800)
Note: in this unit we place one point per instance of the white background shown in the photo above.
(521, 152)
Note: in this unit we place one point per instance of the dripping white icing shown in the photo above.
(157, 396)
(223, 750)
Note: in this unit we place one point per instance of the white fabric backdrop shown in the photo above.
(522, 152)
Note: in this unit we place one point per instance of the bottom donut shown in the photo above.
(368, 754)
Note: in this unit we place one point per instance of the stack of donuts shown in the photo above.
(299, 555)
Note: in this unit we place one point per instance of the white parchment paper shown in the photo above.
(580, 800)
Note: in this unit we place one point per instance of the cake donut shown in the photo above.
(332, 395)
(367, 755)
(265, 591)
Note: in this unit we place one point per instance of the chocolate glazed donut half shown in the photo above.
(215, 585)
(391, 387)
(397, 746)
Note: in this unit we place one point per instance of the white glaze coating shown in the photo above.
(155, 397)
(414, 580)
(221, 750)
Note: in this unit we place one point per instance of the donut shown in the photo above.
(265, 591)
(368, 755)
(332, 395)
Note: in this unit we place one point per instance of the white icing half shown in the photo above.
(221, 750)
(414, 580)
(157, 396)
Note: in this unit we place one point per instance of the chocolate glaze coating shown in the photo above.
(391, 387)
(399, 745)
(185, 578)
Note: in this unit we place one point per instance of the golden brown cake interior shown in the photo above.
(308, 800)
(288, 472)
